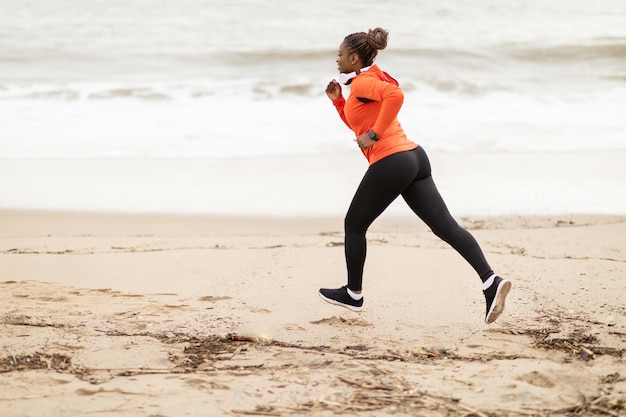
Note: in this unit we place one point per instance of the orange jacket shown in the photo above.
(374, 102)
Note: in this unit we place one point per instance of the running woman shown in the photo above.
(397, 166)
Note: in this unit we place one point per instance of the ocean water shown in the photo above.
(215, 98)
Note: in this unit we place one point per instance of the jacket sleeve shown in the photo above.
(339, 104)
(391, 98)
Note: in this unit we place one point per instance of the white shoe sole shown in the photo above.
(497, 307)
(337, 303)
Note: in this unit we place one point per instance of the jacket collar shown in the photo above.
(346, 79)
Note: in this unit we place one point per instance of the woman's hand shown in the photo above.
(333, 90)
(364, 141)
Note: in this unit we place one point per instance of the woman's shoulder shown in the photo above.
(375, 74)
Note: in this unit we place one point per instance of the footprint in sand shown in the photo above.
(537, 379)
(204, 385)
(260, 310)
(54, 299)
(213, 298)
(293, 327)
(341, 322)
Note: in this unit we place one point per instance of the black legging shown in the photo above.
(407, 174)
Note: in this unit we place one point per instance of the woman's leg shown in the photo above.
(424, 199)
(382, 183)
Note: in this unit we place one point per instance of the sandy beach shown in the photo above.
(159, 315)
(173, 182)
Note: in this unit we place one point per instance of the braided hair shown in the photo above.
(367, 45)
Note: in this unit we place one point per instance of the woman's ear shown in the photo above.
(354, 58)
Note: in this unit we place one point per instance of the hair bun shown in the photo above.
(377, 38)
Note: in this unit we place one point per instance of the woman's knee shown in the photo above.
(352, 224)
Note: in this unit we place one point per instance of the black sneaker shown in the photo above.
(341, 297)
(495, 295)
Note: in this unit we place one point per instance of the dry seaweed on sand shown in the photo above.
(579, 336)
(38, 360)
(604, 405)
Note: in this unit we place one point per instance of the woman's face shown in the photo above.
(347, 62)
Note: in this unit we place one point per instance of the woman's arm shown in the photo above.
(333, 91)
(391, 98)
